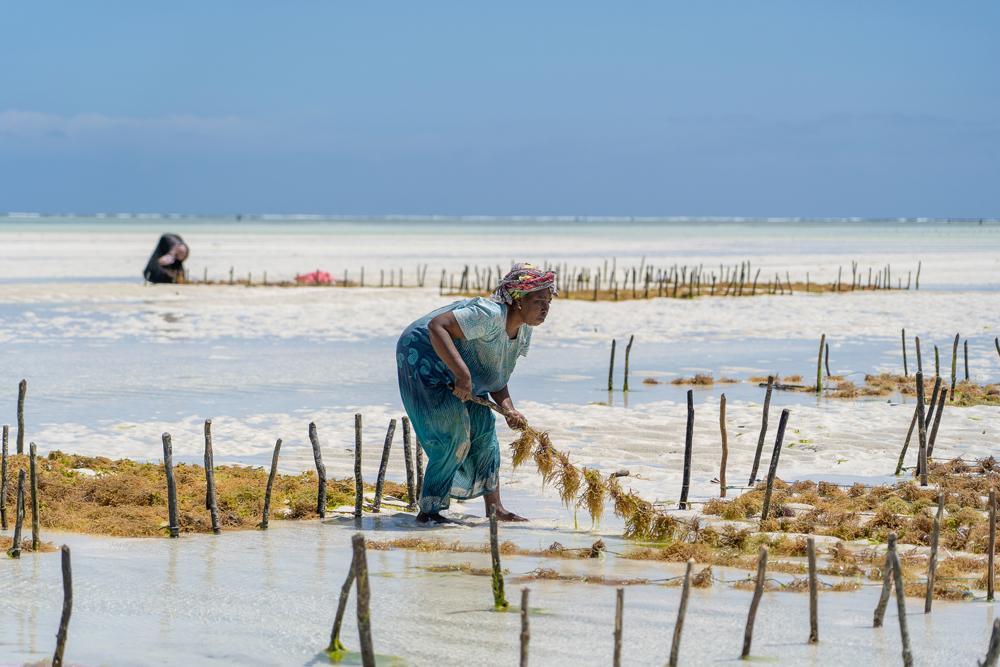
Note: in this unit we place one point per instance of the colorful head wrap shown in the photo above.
(521, 279)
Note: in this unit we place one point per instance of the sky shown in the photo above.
(709, 108)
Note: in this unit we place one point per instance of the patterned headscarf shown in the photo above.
(521, 279)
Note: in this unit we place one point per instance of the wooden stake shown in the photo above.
(619, 613)
(993, 652)
(897, 574)
(937, 362)
(3, 480)
(36, 542)
(827, 360)
(270, 485)
(773, 469)
(380, 480)
(906, 372)
(883, 599)
(966, 346)
(525, 630)
(359, 480)
(320, 470)
(933, 403)
(675, 647)
(917, 282)
(921, 431)
(211, 502)
(906, 443)
(335, 644)
(15, 550)
(937, 421)
(991, 556)
(819, 366)
(628, 351)
(916, 343)
(813, 588)
(611, 368)
(725, 446)
(364, 600)
(411, 492)
(67, 610)
(932, 561)
(168, 466)
(757, 592)
(763, 431)
(996, 342)
(954, 363)
(499, 600)
(420, 470)
(22, 391)
(688, 445)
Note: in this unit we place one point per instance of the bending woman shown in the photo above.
(466, 349)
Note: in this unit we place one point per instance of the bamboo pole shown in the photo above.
(320, 470)
(270, 485)
(22, 391)
(380, 480)
(675, 647)
(991, 556)
(819, 366)
(688, 446)
(757, 592)
(411, 492)
(525, 630)
(921, 431)
(628, 351)
(364, 600)
(993, 652)
(813, 589)
(725, 446)
(3, 480)
(211, 501)
(335, 644)
(619, 613)
(15, 549)
(937, 421)
(67, 609)
(883, 599)
(932, 561)
(36, 541)
(897, 574)
(168, 467)
(773, 469)
(359, 481)
(763, 431)
(906, 443)
(499, 600)
(611, 368)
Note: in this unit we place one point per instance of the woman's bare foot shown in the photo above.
(493, 500)
(436, 518)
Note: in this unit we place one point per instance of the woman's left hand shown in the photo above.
(516, 420)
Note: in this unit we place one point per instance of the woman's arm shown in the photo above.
(504, 400)
(442, 329)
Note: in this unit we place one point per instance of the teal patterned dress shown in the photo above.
(460, 439)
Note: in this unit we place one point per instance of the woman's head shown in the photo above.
(524, 279)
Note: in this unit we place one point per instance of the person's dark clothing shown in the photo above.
(155, 273)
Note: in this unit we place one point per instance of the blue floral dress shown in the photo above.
(463, 455)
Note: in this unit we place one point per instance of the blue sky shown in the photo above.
(738, 108)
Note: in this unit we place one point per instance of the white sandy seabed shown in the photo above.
(268, 598)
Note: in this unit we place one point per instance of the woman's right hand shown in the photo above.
(463, 388)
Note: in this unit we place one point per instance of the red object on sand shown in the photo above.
(316, 278)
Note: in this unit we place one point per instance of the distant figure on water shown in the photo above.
(166, 264)
(468, 348)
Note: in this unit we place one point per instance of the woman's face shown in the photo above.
(535, 306)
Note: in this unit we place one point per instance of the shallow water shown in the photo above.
(269, 599)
